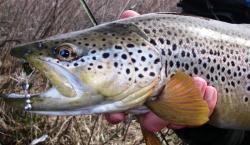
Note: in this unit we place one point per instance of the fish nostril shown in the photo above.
(27, 68)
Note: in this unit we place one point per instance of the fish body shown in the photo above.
(120, 65)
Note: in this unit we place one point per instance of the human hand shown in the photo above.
(150, 121)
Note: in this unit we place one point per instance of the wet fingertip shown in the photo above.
(151, 122)
(210, 93)
(128, 13)
(211, 98)
(115, 117)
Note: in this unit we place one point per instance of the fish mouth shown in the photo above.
(68, 94)
(77, 98)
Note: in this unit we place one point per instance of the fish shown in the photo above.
(145, 61)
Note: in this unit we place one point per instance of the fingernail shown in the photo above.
(209, 93)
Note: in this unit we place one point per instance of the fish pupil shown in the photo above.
(64, 53)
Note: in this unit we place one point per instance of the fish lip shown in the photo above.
(76, 84)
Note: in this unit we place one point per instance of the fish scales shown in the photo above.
(130, 60)
(215, 51)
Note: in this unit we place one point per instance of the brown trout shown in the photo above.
(145, 60)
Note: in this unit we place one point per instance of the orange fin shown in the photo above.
(181, 102)
(150, 137)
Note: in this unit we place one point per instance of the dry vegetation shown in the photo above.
(28, 20)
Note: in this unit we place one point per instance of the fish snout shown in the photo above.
(22, 50)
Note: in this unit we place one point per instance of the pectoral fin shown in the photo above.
(181, 102)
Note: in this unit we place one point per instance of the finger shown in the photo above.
(151, 122)
(128, 13)
(201, 84)
(175, 126)
(211, 98)
(115, 118)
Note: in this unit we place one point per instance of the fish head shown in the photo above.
(92, 71)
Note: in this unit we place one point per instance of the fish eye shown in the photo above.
(65, 52)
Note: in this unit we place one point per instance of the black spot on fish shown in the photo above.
(152, 74)
(195, 70)
(222, 78)
(169, 52)
(199, 61)
(124, 56)
(143, 58)
(196, 44)
(140, 76)
(130, 45)
(161, 40)
(75, 64)
(133, 60)
(91, 64)
(235, 74)
(82, 60)
(115, 64)
(136, 69)
(139, 51)
(86, 44)
(94, 58)
(224, 59)
(171, 64)
(246, 99)
(232, 83)
(183, 53)
(205, 65)
(208, 76)
(223, 69)
(248, 76)
(168, 42)
(203, 51)
(130, 53)
(156, 61)
(180, 42)
(128, 71)
(212, 69)
(118, 47)
(154, 31)
(93, 51)
(163, 52)
(152, 41)
(193, 53)
(178, 64)
(211, 52)
(186, 66)
(99, 66)
(79, 43)
(146, 31)
(150, 55)
(105, 55)
(218, 66)
(174, 47)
